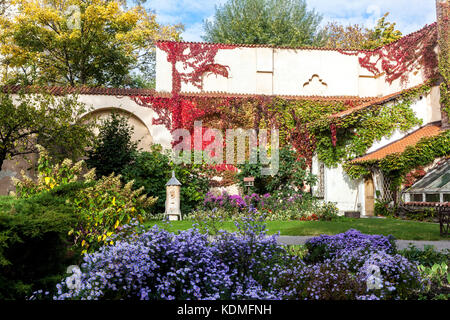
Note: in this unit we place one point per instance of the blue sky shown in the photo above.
(410, 15)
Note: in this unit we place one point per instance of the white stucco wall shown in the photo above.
(347, 194)
(280, 71)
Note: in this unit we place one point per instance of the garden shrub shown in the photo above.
(352, 257)
(113, 147)
(292, 176)
(383, 208)
(104, 207)
(51, 175)
(425, 214)
(151, 170)
(426, 257)
(329, 280)
(34, 246)
(437, 281)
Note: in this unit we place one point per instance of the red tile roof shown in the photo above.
(400, 145)
(59, 91)
(427, 204)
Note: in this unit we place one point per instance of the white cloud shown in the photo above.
(193, 33)
(409, 15)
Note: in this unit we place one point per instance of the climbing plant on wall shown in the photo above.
(444, 55)
(306, 124)
(196, 59)
(397, 165)
(342, 138)
(402, 57)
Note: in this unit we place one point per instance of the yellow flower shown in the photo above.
(83, 243)
(116, 225)
(114, 201)
(47, 180)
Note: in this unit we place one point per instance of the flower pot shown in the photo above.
(352, 214)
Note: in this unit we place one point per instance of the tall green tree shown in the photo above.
(383, 34)
(114, 147)
(359, 37)
(54, 122)
(276, 22)
(78, 42)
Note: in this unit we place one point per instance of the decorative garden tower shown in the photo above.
(173, 188)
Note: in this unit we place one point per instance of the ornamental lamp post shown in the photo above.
(173, 195)
(249, 182)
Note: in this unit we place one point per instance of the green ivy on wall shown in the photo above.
(356, 132)
(397, 165)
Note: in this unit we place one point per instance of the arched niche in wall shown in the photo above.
(141, 131)
(314, 86)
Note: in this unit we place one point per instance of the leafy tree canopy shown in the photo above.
(276, 22)
(359, 37)
(54, 122)
(79, 42)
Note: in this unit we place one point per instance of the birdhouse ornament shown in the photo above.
(173, 196)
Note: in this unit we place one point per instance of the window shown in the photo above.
(416, 197)
(432, 197)
(446, 197)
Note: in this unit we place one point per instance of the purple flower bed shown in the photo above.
(247, 264)
(326, 246)
(161, 265)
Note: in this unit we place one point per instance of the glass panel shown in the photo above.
(432, 197)
(417, 197)
(446, 197)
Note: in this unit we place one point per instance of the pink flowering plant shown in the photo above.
(296, 206)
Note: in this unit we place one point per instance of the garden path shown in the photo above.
(401, 244)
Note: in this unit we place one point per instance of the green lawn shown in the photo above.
(400, 229)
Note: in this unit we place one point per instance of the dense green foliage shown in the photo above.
(114, 147)
(276, 22)
(397, 165)
(34, 245)
(383, 34)
(79, 42)
(292, 177)
(358, 37)
(151, 170)
(356, 132)
(102, 206)
(55, 123)
(427, 257)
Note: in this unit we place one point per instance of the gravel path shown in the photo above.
(401, 244)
